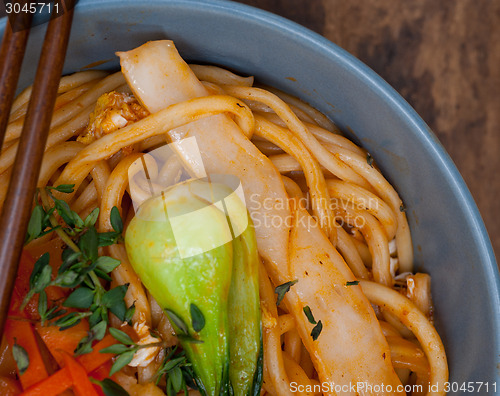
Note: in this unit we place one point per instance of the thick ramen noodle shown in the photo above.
(314, 294)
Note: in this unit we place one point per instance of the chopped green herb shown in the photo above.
(125, 352)
(110, 387)
(121, 336)
(96, 333)
(42, 306)
(69, 279)
(121, 361)
(176, 320)
(369, 159)
(352, 283)
(177, 371)
(41, 276)
(116, 349)
(108, 238)
(116, 220)
(176, 380)
(129, 314)
(107, 264)
(70, 218)
(53, 313)
(35, 225)
(197, 318)
(91, 219)
(282, 289)
(402, 208)
(63, 188)
(88, 244)
(316, 331)
(80, 269)
(71, 319)
(82, 298)
(113, 300)
(21, 357)
(309, 314)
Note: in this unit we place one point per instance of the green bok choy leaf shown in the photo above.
(194, 249)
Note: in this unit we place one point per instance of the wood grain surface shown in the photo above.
(443, 57)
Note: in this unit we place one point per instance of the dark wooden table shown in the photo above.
(443, 57)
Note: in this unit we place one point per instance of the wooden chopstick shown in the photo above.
(12, 51)
(19, 200)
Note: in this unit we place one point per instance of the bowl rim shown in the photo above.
(367, 76)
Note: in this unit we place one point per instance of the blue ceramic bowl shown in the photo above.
(448, 234)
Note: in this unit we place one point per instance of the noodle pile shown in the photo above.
(356, 208)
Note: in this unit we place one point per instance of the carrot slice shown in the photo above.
(54, 385)
(81, 383)
(9, 387)
(94, 359)
(23, 333)
(62, 380)
(22, 287)
(66, 340)
(101, 372)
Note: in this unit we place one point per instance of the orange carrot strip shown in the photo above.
(81, 383)
(102, 371)
(24, 334)
(9, 387)
(94, 359)
(62, 380)
(52, 386)
(66, 340)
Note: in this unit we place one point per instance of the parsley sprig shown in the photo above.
(177, 371)
(81, 270)
(126, 350)
(176, 368)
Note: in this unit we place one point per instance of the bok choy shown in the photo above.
(194, 249)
